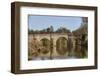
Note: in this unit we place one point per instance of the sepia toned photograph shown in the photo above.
(57, 37)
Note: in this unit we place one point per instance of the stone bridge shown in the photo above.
(55, 37)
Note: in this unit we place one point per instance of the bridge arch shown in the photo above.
(45, 45)
(61, 45)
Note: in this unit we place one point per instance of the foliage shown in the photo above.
(62, 30)
(50, 29)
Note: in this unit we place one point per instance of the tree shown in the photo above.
(48, 29)
(62, 30)
(51, 29)
(30, 31)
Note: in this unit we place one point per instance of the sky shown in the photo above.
(39, 22)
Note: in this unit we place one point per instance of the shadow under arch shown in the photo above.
(61, 45)
(45, 46)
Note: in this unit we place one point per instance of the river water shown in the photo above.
(77, 52)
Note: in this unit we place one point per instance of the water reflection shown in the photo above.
(77, 50)
(65, 49)
(80, 51)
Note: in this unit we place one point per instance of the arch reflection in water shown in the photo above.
(61, 46)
